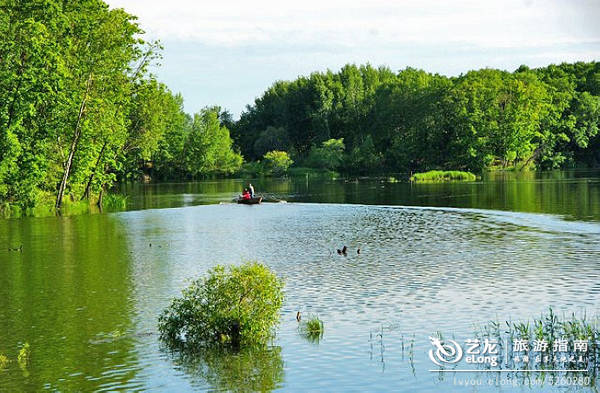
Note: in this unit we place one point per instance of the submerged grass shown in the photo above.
(439, 176)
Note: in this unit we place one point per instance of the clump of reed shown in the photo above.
(442, 176)
(548, 327)
(114, 201)
(312, 328)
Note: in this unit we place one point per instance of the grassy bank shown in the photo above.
(442, 176)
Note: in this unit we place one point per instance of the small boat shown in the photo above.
(251, 201)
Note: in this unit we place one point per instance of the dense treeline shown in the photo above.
(79, 109)
(367, 120)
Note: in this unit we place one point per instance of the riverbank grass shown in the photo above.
(443, 176)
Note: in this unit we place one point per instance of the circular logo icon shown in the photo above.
(443, 353)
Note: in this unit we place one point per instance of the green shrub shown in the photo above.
(434, 176)
(237, 305)
(277, 162)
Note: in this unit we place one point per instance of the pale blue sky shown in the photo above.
(228, 52)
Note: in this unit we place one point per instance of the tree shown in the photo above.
(277, 162)
(329, 156)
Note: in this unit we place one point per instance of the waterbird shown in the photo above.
(358, 251)
(344, 250)
(339, 251)
(298, 316)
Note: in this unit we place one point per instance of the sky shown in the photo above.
(227, 52)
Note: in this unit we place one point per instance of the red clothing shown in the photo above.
(246, 195)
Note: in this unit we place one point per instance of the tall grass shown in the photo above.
(439, 176)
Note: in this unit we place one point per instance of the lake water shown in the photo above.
(86, 291)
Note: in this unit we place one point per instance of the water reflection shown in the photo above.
(250, 369)
(573, 194)
(67, 295)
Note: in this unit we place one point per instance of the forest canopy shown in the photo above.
(413, 120)
(79, 109)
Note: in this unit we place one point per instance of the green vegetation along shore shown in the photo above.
(80, 111)
(435, 176)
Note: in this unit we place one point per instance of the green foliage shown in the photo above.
(4, 361)
(208, 147)
(79, 109)
(329, 156)
(277, 162)
(229, 306)
(415, 121)
(435, 176)
(271, 139)
(24, 355)
(312, 328)
(114, 202)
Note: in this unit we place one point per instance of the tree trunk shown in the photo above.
(100, 198)
(86, 193)
(76, 135)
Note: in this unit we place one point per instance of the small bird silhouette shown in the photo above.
(298, 316)
(358, 251)
(344, 250)
(339, 251)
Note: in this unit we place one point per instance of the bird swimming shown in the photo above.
(298, 316)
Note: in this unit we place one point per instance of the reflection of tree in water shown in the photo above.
(249, 369)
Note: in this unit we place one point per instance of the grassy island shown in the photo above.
(443, 176)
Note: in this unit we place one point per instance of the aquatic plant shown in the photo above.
(439, 176)
(235, 305)
(4, 361)
(114, 202)
(24, 354)
(550, 329)
(312, 327)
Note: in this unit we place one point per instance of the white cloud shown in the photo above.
(504, 23)
(228, 51)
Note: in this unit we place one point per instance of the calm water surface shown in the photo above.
(86, 291)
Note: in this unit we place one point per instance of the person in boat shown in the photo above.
(246, 195)
(251, 189)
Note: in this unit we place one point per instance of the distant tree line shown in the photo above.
(367, 120)
(79, 109)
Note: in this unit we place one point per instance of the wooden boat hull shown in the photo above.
(251, 201)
